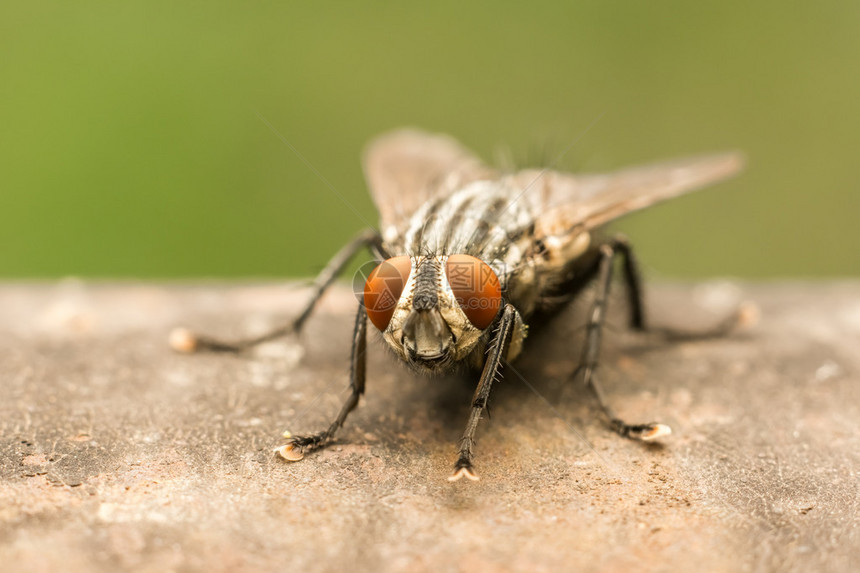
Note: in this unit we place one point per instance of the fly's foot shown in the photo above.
(641, 432)
(290, 452)
(744, 317)
(463, 469)
(185, 341)
(297, 446)
(748, 315)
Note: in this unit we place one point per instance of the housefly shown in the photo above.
(467, 255)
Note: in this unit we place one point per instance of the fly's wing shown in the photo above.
(407, 168)
(568, 204)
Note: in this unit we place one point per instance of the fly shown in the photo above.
(467, 255)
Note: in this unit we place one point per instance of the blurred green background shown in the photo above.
(135, 140)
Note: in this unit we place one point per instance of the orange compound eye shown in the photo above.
(476, 288)
(383, 288)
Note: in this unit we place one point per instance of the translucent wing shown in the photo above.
(568, 202)
(406, 168)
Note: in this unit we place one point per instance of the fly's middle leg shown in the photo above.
(185, 341)
(591, 350)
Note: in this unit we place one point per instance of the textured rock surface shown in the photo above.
(117, 454)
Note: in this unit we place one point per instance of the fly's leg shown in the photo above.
(185, 341)
(744, 315)
(297, 446)
(594, 329)
(632, 280)
(498, 350)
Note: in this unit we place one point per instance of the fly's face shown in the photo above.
(433, 310)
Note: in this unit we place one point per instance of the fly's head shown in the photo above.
(432, 310)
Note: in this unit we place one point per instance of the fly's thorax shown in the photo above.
(479, 219)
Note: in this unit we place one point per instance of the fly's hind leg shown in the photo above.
(602, 270)
(183, 340)
(591, 350)
(297, 446)
(745, 314)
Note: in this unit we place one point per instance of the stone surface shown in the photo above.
(118, 454)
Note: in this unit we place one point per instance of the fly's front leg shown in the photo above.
(498, 350)
(591, 350)
(297, 446)
(182, 340)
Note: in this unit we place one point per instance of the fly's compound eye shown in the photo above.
(383, 288)
(476, 288)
